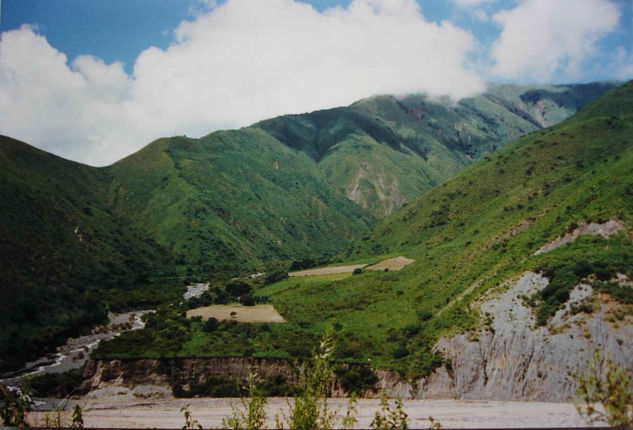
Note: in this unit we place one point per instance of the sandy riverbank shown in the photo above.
(210, 412)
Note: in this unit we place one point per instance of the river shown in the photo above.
(75, 352)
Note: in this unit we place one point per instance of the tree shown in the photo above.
(210, 325)
(609, 385)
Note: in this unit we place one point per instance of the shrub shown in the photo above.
(609, 385)
(276, 276)
(210, 325)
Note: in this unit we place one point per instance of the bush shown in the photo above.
(247, 300)
(238, 288)
(210, 325)
(276, 276)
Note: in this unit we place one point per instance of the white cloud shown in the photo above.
(240, 62)
(541, 38)
(623, 64)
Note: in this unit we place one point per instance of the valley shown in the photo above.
(485, 257)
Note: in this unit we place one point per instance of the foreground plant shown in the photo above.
(190, 422)
(252, 415)
(608, 385)
(14, 404)
(310, 409)
(388, 418)
(78, 418)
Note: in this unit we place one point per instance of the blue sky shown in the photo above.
(72, 68)
(118, 30)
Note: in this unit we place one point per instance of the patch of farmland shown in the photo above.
(392, 264)
(256, 314)
(327, 270)
(396, 263)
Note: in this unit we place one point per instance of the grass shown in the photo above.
(468, 236)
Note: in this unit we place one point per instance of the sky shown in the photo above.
(96, 80)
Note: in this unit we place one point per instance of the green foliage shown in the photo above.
(567, 266)
(355, 379)
(15, 404)
(276, 276)
(349, 420)
(78, 419)
(309, 410)
(388, 418)
(190, 422)
(59, 385)
(252, 415)
(608, 385)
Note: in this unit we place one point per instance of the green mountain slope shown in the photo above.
(61, 248)
(77, 238)
(233, 200)
(480, 229)
(384, 151)
(284, 187)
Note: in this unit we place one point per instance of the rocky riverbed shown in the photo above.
(166, 413)
(74, 353)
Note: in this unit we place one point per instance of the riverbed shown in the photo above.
(165, 413)
(75, 352)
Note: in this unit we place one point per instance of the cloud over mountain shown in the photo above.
(542, 37)
(242, 61)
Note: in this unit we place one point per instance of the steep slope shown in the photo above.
(61, 248)
(234, 200)
(293, 187)
(281, 189)
(478, 233)
(384, 151)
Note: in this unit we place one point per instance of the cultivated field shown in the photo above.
(392, 264)
(327, 270)
(396, 263)
(258, 313)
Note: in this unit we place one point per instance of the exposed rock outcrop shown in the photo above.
(159, 376)
(605, 230)
(511, 359)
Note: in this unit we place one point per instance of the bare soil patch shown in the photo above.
(396, 263)
(258, 313)
(328, 270)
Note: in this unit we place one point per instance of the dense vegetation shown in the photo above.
(66, 257)
(77, 241)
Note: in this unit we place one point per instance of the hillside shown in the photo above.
(234, 200)
(285, 188)
(523, 266)
(479, 231)
(384, 152)
(78, 239)
(62, 252)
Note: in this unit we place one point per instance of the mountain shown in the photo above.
(527, 253)
(78, 239)
(523, 267)
(285, 188)
(234, 200)
(60, 243)
(384, 152)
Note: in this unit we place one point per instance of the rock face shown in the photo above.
(156, 377)
(513, 360)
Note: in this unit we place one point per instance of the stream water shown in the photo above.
(75, 352)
